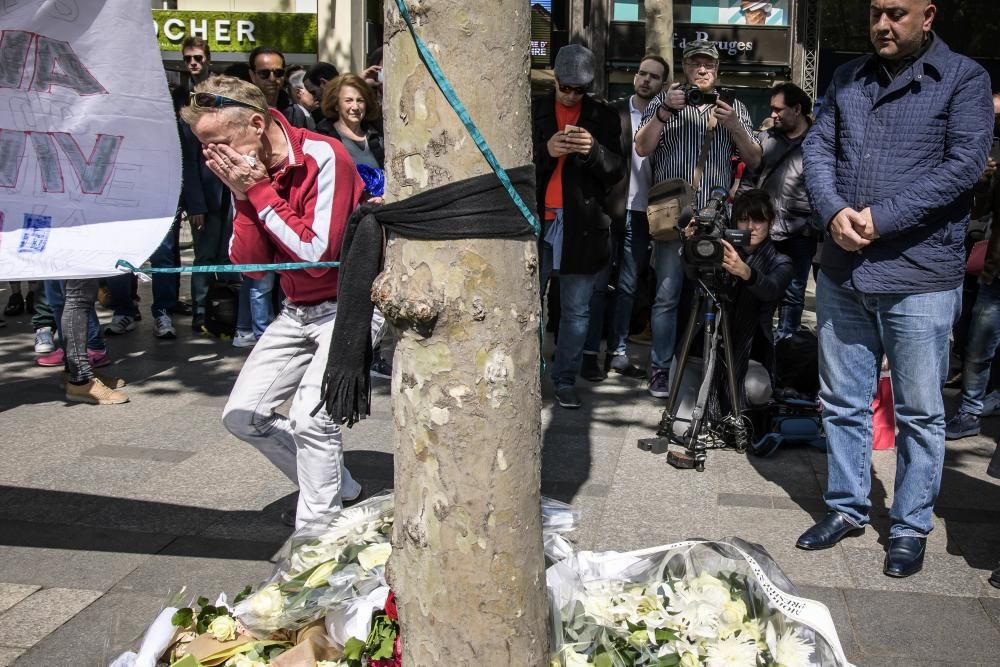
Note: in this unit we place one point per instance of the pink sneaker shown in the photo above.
(52, 359)
(98, 358)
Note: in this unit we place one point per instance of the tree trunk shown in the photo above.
(660, 31)
(467, 561)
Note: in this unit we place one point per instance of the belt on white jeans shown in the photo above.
(310, 313)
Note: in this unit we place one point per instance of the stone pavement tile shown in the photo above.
(263, 526)
(828, 568)
(28, 622)
(96, 476)
(992, 607)
(921, 625)
(9, 655)
(591, 509)
(782, 475)
(942, 574)
(44, 505)
(11, 594)
(636, 517)
(833, 599)
(70, 556)
(97, 634)
(150, 517)
(207, 566)
(579, 458)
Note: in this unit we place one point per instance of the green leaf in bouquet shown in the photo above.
(671, 660)
(243, 595)
(183, 617)
(187, 661)
(663, 635)
(202, 601)
(354, 648)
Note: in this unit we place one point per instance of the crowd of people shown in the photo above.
(887, 175)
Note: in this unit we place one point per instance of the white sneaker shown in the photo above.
(120, 324)
(244, 339)
(163, 327)
(44, 342)
(991, 404)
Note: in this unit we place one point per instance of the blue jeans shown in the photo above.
(912, 330)
(663, 317)
(575, 293)
(981, 344)
(801, 250)
(633, 257)
(120, 289)
(211, 246)
(255, 311)
(54, 295)
(164, 284)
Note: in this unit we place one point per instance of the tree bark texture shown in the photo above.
(467, 563)
(660, 31)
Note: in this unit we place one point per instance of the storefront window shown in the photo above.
(628, 10)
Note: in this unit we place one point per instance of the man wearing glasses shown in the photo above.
(673, 135)
(267, 72)
(577, 155)
(294, 190)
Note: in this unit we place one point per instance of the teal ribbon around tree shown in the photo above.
(449, 93)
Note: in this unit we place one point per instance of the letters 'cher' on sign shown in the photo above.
(90, 164)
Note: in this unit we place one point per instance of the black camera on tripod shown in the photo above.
(703, 250)
(695, 96)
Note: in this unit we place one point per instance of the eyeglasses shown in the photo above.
(572, 90)
(268, 73)
(710, 65)
(211, 100)
(194, 57)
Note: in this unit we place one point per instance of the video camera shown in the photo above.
(695, 96)
(703, 251)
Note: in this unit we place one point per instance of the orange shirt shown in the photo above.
(553, 191)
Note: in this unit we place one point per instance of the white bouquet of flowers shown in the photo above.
(691, 604)
(330, 561)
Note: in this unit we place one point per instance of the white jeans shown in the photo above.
(289, 361)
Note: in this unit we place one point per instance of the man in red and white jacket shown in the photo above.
(294, 191)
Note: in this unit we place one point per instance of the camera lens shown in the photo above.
(705, 249)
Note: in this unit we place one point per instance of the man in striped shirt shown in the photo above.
(672, 135)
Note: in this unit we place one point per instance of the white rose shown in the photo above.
(223, 628)
(375, 555)
(266, 602)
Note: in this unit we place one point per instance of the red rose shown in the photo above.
(390, 607)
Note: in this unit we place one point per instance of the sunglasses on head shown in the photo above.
(566, 90)
(211, 100)
(267, 73)
(195, 57)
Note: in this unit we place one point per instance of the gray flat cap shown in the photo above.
(701, 47)
(575, 65)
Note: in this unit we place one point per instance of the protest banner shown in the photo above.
(90, 164)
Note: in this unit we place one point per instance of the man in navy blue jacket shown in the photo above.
(890, 166)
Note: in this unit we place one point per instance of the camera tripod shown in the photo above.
(712, 314)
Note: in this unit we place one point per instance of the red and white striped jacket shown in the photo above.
(299, 214)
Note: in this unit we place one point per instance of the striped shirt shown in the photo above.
(676, 154)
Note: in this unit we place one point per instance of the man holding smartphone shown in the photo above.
(577, 156)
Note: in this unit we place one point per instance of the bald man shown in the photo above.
(890, 166)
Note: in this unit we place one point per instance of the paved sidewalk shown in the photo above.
(104, 512)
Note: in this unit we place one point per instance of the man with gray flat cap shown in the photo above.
(577, 155)
(696, 144)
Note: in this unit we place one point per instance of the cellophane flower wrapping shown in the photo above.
(722, 603)
(338, 558)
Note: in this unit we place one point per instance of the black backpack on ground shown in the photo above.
(797, 363)
(222, 305)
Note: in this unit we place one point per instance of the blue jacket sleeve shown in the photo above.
(819, 156)
(967, 145)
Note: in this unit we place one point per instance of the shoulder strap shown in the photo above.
(699, 169)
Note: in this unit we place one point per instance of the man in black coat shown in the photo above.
(577, 156)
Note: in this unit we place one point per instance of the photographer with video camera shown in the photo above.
(691, 134)
(759, 276)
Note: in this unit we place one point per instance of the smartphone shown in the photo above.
(572, 129)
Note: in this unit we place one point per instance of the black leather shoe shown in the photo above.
(995, 578)
(827, 532)
(905, 556)
(591, 370)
